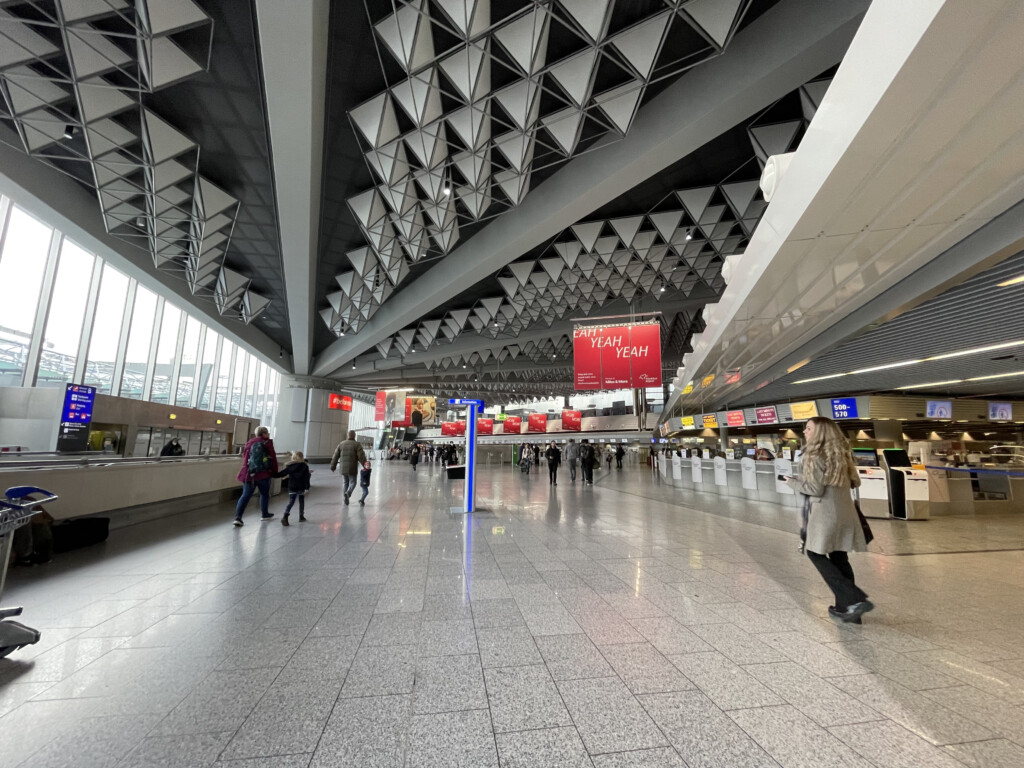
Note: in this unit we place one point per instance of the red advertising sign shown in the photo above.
(449, 428)
(460, 428)
(572, 421)
(538, 422)
(379, 406)
(513, 425)
(735, 418)
(767, 415)
(336, 402)
(617, 357)
(485, 426)
(645, 355)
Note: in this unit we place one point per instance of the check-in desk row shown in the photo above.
(888, 490)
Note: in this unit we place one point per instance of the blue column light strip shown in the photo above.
(467, 502)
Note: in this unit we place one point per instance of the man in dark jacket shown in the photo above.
(173, 448)
(587, 459)
(619, 453)
(350, 455)
(554, 457)
(259, 464)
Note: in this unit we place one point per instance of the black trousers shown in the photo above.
(552, 472)
(837, 572)
(588, 472)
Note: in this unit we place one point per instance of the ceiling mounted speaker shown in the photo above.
(774, 169)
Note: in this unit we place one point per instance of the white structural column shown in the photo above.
(788, 45)
(293, 49)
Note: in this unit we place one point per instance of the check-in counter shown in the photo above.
(743, 478)
(973, 490)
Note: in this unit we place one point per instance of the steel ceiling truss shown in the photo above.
(487, 97)
(73, 79)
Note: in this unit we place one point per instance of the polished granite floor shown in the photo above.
(608, 626)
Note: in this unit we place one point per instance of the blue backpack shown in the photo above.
(259, 459)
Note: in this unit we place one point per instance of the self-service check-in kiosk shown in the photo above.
(874, 489)
(908, 487)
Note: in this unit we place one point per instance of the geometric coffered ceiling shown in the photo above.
(481, 96)
(75, 77)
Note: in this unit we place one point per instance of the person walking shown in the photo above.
(554, 457)
(619, 453)
(297, 471)
(587, 459)
(259, 464)
(414, 456)
(536, 457)
(833, 526)
(173, 448)
(349, 455)
(608, 458)
(364, 481)
(572, 455)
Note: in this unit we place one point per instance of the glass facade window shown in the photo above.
(189, 359)
(64, 321)
(67, 316)
(163, 364)
(106, 331)
(140, 334)
(23, 258)
(204, 381)
(227, 355)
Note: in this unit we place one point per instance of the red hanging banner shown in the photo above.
(449, 428)
(513, 425)
(538, 422)
(617, 357)
(485, 426)
(336, 402)
(572, 421)
(379, 408)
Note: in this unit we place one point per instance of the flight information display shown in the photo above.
(75, 417)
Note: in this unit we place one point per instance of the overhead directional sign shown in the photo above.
(464, 401)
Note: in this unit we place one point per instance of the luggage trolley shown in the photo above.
(15, 511)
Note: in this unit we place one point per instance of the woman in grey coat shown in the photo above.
(833, 528)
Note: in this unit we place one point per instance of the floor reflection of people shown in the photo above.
(554, 513)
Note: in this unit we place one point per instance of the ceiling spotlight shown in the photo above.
(689, 234)
(69, 131)
(353, 366)
(463, 365)
(662, 289)
(341, 333)
(280, 352)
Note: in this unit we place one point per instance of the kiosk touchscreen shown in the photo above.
(908, 487)
(874, 489)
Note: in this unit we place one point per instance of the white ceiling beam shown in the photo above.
(785, 47)
(293, 56)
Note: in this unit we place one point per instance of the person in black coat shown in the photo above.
(173, 448)
(554, 457)
(297, 471)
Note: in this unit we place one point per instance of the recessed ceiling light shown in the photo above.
(1012, 281)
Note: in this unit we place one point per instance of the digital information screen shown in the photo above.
(75, 418)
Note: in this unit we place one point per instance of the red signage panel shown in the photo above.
(449, 428)
(586, 358)
(735, 418)
(336, 402)
(538, 422)
(618, 357)
(407, 421)
(572, 421)
(485, 426)
(513, 425)
(645, 355)
(767, 415)
(379, 407)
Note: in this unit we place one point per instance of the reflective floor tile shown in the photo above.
(524, 698)
(543, 748)
(608, 716)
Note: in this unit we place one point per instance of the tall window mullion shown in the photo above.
(158, 321)
(90, 316)
(122, 340)
(43, 310)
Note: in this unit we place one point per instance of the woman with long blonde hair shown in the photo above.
(833, 527)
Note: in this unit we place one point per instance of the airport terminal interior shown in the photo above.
(504, 383)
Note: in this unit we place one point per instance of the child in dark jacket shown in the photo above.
(364, 481)
(297, 471)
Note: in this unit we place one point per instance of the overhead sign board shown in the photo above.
(767, 415)
(485, 426)
(572, 421)
(336, 402)
(710, 420)
(1000, 411)
(803, 411)
(464, 401)
(513, 425)
(75, 417)
(735, 418)
(939, 409)
(687, 422)
(617, 357)
(844, 408)
(537, 422)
